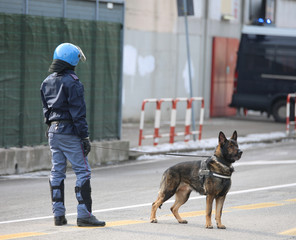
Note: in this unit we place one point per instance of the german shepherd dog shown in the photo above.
(211, 177)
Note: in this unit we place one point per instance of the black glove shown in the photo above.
(86, 146)
(48, 126)
(46, 131)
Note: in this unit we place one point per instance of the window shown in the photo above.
(285, 62)
(258, 58)
(263, 10)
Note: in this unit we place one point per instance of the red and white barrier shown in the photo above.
(188, 118)
(174, 118)
(141, 136)
(288, 122)
(172, 132)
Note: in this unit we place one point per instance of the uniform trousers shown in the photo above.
(67, 147)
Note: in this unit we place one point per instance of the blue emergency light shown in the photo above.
(260, 20)
(268, 21)
(263, 21)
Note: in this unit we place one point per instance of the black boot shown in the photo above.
(90, 222)
(85, 192)
(60, 220)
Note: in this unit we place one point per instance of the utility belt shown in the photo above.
(60, 121)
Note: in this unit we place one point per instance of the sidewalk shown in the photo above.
(250, 129)
(252, 124)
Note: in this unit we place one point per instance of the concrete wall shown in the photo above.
(285, 15)
(29, 159)
(155, 60)
(155, 57)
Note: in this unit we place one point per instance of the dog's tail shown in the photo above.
(163, 181)
(161, 187)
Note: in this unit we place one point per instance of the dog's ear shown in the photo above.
(234, 136)
(222, 138)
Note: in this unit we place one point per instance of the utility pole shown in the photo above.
(189, 64)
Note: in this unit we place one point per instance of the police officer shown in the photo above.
(64, 111)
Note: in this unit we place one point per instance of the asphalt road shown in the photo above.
(260, 205)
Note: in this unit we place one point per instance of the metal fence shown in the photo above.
(26, 48)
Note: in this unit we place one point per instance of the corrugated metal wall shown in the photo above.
(67, 8)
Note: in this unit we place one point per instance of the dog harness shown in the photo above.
(220, 176)
(204, 171)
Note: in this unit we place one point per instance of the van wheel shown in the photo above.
(279, 111)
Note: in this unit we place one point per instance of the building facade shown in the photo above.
(155, 57)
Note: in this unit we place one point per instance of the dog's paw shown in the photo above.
(209, 226)
(183, 221)
(153, 220)
(221, 226)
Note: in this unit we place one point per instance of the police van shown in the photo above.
(265, 70)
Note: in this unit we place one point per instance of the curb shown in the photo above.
(134, 154)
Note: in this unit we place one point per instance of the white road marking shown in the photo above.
(254, 163)
(149, 204)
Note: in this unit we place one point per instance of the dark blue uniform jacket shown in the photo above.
(62, 97)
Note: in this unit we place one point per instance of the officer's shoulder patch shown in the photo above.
(74, 76)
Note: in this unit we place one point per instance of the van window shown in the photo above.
(259, 59)
(286, 61)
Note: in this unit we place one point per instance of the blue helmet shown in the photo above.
(69, 53)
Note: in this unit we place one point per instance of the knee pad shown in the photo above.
(83, 195)
(57, 192)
